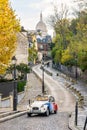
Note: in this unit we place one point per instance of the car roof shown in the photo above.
(44, 96)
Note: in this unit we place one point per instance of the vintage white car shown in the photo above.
(42, 105)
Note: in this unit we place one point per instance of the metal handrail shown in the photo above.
(85, 124)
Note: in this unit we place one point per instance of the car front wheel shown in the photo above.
(47, 112)
(29, 114)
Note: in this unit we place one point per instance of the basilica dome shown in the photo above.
(41, 26)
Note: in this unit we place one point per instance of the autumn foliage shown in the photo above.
(9, 26)
(71, 39)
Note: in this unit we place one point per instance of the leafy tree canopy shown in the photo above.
(71, 38)
(9, 26)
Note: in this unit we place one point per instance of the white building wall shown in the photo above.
(22, 49)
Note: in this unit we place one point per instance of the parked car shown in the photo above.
(42, 105)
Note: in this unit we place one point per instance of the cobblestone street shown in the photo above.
(53, 122)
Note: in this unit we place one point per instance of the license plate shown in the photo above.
(35, 111)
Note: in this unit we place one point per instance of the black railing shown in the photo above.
(76, 113)
(85, 124)
(7, 87)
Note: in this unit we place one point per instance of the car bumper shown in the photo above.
(41, 111)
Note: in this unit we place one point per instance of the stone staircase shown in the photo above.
(81, 119)
(85, 101)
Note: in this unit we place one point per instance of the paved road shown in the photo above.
(57, 88)
(57, 121)
(54, 122)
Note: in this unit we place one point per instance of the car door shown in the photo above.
(51, 100)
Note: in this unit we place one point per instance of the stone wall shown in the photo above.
(8, 102)
(71, 71)
(84, 75)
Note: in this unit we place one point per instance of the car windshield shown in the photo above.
(41, 98)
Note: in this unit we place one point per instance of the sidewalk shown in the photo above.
(33, 89)
(82, 89)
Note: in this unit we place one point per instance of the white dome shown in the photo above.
(41, 26)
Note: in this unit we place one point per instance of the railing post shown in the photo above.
(76, 113)
(85, 124)
(29, 101)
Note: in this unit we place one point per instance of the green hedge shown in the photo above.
(20, 86)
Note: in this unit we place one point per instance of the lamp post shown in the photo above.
(43, 74)
(15, 84)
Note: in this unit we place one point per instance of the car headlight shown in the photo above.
(28, 107)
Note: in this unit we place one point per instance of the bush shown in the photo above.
(5, 80)
(20, 86)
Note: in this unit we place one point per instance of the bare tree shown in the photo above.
(81, 4)
(58, 15)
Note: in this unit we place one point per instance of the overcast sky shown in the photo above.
(29, 10)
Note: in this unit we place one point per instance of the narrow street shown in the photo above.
(53, 122)
(56, 85)
(57, 121)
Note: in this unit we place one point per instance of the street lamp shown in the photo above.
(14, 60)
(43, 74)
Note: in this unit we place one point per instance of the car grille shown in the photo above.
(35, 108)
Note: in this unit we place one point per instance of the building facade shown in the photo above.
(22, 48)
(40, 38)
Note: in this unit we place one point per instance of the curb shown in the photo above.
(12, 116)
(40, 78)
(71, 124)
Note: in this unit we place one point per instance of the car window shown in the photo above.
(41, 98)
